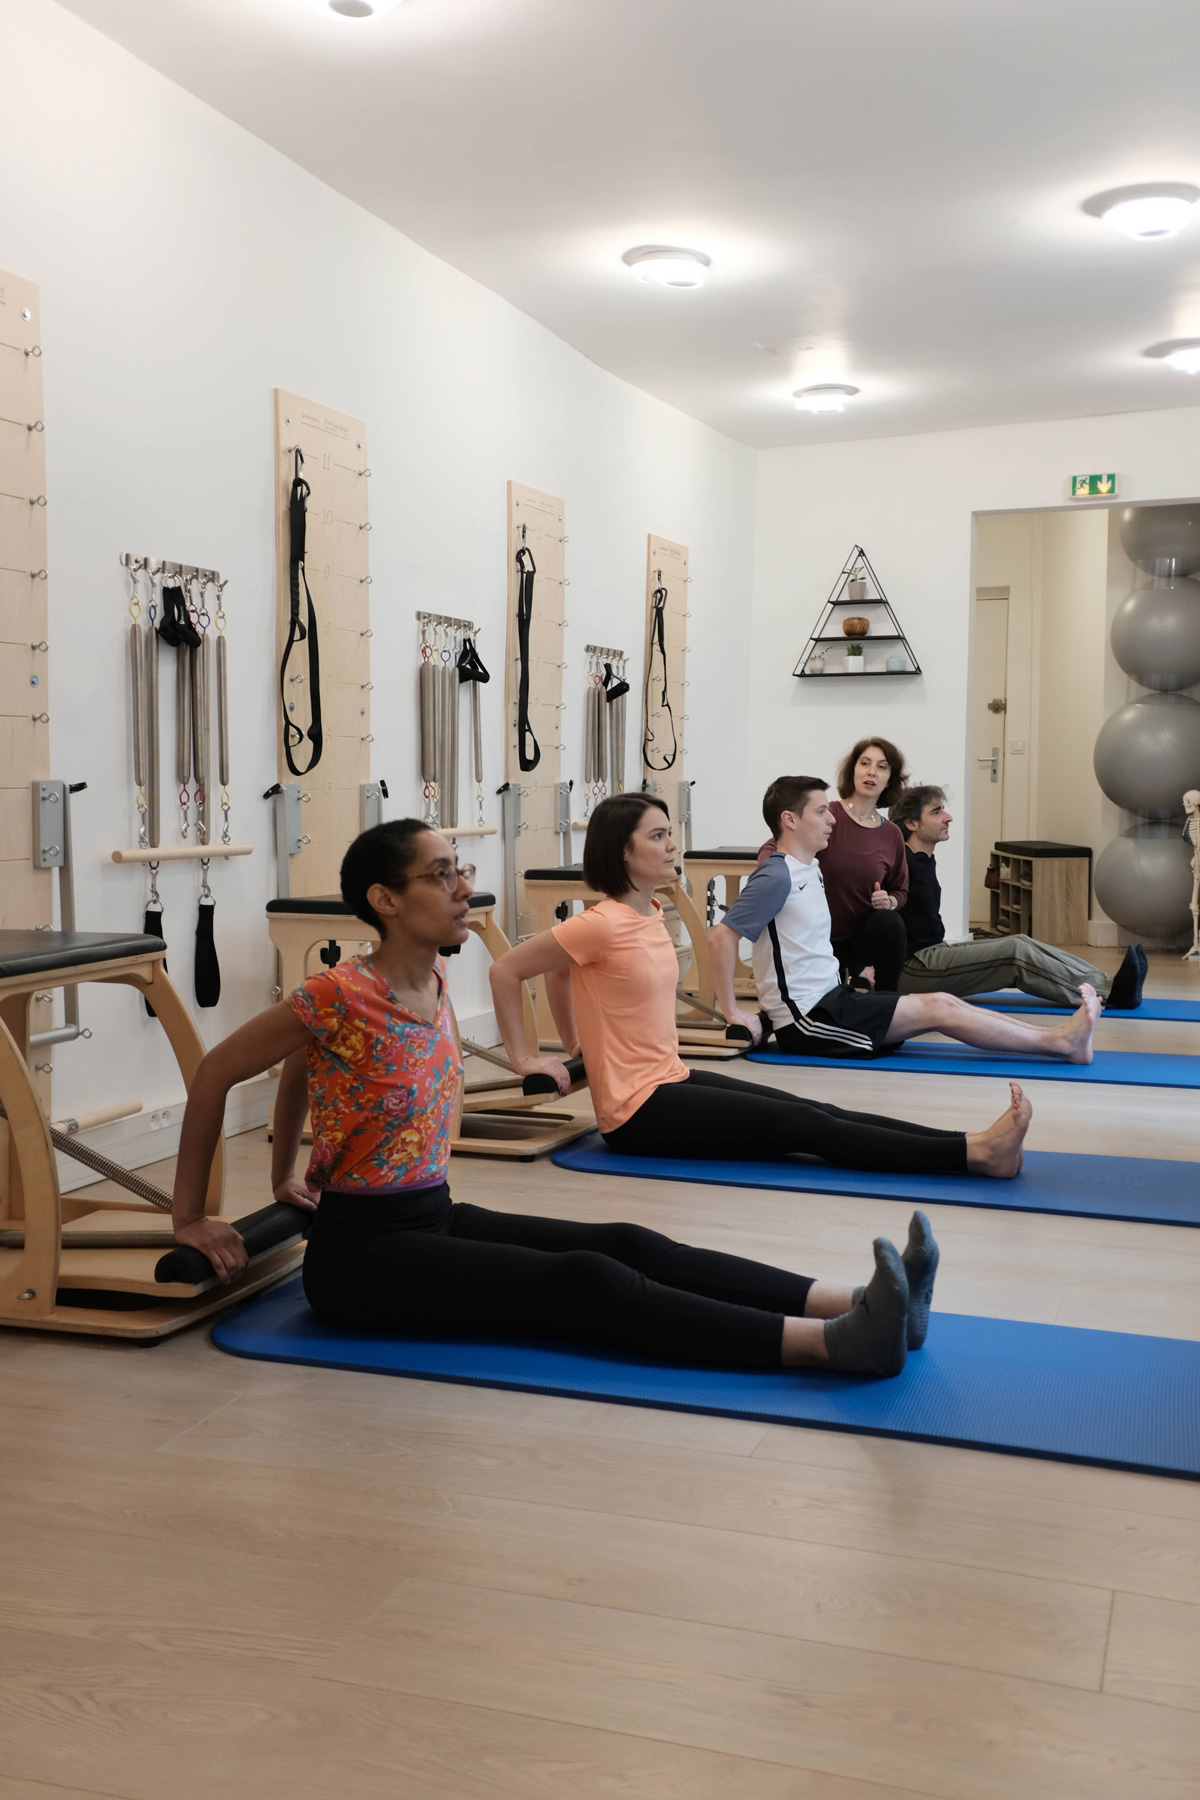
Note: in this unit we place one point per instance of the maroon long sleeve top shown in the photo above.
(855, 858)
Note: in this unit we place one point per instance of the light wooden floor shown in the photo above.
(230, 1579)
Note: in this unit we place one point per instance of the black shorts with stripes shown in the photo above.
(844, 1022)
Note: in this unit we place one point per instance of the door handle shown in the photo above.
(992, 761)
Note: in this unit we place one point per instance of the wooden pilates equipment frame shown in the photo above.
(337, 534)
(32, 1278)
(493, 1118)
(26, 891)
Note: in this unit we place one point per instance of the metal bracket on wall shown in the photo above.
(371, 796)
(510, 825)
(289, 836)
(562, 818)
(52, 850)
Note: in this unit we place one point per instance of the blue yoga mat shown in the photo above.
(1126, 1068)
(1009, 1000)
(1088, 1187)
(988, 1384)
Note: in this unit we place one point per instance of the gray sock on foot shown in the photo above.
(871, 1338)
(920, 1266)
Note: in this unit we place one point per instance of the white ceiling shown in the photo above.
(889, 190)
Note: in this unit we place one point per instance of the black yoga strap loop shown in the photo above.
(208, 969)
(658, 641)
(469, 667)
(152, 926)
(613, 689)
(299, 633)
(175, 627)
(528, 759)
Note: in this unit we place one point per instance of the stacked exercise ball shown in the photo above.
(1148, 753)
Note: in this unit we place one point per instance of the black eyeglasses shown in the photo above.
(451, 878)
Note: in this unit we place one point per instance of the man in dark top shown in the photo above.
(994, 963)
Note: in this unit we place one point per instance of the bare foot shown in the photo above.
(1075, 1037)
(999, 1151)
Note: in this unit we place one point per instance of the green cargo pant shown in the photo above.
(1007, 962)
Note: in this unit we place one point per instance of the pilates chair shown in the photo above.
(552, 893)
(108, 1292)
(493, 1117)
(704, 868)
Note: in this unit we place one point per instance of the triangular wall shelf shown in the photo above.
(828, 639)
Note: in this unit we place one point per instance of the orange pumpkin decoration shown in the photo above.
(856, 627)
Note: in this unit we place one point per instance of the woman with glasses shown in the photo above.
(369, 1048)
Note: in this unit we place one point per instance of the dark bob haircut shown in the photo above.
(912, 803)
(788, 793)
(609, 830)
(384, 854)
(895, 762)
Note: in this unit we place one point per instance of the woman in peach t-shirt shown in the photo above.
(611, 976)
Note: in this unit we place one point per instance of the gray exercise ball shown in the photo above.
(1148, 754)
(1143, 880)
(1162, 534)
(1156, 634)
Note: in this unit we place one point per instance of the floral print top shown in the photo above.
(382, 1082)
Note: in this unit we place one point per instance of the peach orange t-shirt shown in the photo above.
(623, 984)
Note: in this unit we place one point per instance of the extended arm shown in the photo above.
(291, 1104)
(270, 1038)
(540, 955)
(723, 948)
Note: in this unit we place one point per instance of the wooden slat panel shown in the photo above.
(666, 565)
(538, 520)
(335, 458)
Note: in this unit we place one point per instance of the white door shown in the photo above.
(989, 687)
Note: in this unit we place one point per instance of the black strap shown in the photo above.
(152, 926)
(468, 664)
(527, 569)
(208, 969)
(298, 633)
(658, 641)
(613, 689)
(175, 627)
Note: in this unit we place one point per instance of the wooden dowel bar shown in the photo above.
(183, 853)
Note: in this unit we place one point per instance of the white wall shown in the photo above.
(186, 270)
(910, 501)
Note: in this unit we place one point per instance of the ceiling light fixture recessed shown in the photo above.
(668, 266)
(355, 9)
(1148, 209)
(1182, 354)
(827, 396)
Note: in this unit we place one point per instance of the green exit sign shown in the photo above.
(1093, 487)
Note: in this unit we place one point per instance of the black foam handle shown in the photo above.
(546, 1084)
(739, 1034)
(259, 1231)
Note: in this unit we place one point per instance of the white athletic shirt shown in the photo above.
(783, 911)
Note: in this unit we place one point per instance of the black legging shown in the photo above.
(714, 1116)
(425, 1266)
(879, 940)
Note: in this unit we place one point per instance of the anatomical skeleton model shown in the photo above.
(1191, 801)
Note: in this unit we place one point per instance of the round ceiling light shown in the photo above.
(355, 9)
(828, 396)
(1149, 209)
(1182, 354)
(666, 266)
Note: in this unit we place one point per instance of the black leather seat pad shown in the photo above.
(333, 903)
(40, 952)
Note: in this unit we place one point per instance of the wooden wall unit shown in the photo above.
(666, 567)
(537, 520)
(26, 892)
(335, 464)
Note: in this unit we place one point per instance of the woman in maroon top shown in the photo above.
(864, 866)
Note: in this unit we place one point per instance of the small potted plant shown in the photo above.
(856, 587)
(854, 659)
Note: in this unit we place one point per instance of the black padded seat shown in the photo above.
(572, 872)
(333, 903)
(727, 853)
(41, 952)
(1035, 847)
